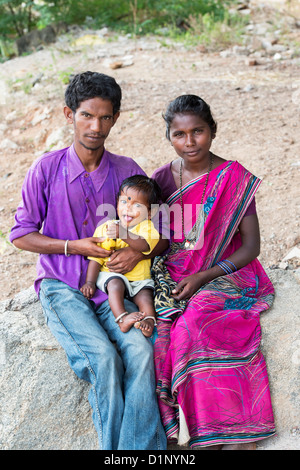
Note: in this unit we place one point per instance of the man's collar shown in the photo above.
(76, 168)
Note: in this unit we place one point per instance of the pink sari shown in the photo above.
(211, 375)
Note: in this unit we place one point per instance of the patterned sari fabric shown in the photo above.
(209, 366)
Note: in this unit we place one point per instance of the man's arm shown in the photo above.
(38, 243)
(124, 260)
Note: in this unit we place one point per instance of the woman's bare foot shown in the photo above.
(128, 320)
(242, 446)
(146, 326)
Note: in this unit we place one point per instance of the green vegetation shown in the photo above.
(134, 16)
(188, 19)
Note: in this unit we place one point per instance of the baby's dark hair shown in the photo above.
(189, 104)
(87, 85)
(146, 185)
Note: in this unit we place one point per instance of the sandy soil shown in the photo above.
(257, 108)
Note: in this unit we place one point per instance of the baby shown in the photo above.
(136, 198)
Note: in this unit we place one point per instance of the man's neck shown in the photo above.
(90, 159)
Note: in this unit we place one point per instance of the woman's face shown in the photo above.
(191, 137)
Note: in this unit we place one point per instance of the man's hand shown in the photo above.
(39, 243)
(88, 247)
(124, 260)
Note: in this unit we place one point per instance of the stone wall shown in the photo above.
(44, 406)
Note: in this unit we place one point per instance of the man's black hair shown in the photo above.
(146, 185)
(87, 85)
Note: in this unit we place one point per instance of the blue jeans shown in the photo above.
(119, 367)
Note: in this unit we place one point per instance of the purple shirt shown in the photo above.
(165, 179)
(66, 202)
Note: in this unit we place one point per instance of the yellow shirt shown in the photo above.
(146, 230)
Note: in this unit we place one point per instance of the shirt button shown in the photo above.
(86, 175)
(87, 200)
(85, 222)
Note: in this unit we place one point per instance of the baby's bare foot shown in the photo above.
(127, 321)
(146, 326)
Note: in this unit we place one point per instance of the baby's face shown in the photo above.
(132, 207)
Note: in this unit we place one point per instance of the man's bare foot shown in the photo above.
(146, 326)
(242, 446)
(127, 321)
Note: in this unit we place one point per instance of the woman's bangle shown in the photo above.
(225, 267)
(227, 261)
(66, 248)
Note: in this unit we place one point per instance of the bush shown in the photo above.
(135, 16)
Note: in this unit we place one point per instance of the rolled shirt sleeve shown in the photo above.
(32, 209)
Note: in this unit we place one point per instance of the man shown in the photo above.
(66, 192)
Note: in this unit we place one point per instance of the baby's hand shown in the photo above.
(112, 230)
(88, 289)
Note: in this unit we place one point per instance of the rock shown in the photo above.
(34, 39)
(116, 65)
(41, 116)
(7, 144)
(294, 253)
(251, 62)
(239, 50)
(283, 265)
(55, 138)
(248, 87)
(11, 116)
(44, 406)
(89, 40)
(126, 61)
(281, 348)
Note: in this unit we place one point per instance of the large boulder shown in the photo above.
(39, 37)
(44, 406)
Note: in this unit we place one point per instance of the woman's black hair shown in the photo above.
(87, 85)
(189, 104)
(146, 185)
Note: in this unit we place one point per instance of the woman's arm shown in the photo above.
(248, 251)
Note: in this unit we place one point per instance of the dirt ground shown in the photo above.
(254, 96)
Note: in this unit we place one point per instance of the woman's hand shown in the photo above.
(124, 260)
(189, 285)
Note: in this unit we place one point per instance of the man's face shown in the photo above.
(92, 122)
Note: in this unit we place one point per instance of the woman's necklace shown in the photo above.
(190, 238)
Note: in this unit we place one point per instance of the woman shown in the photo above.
(210, 289)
